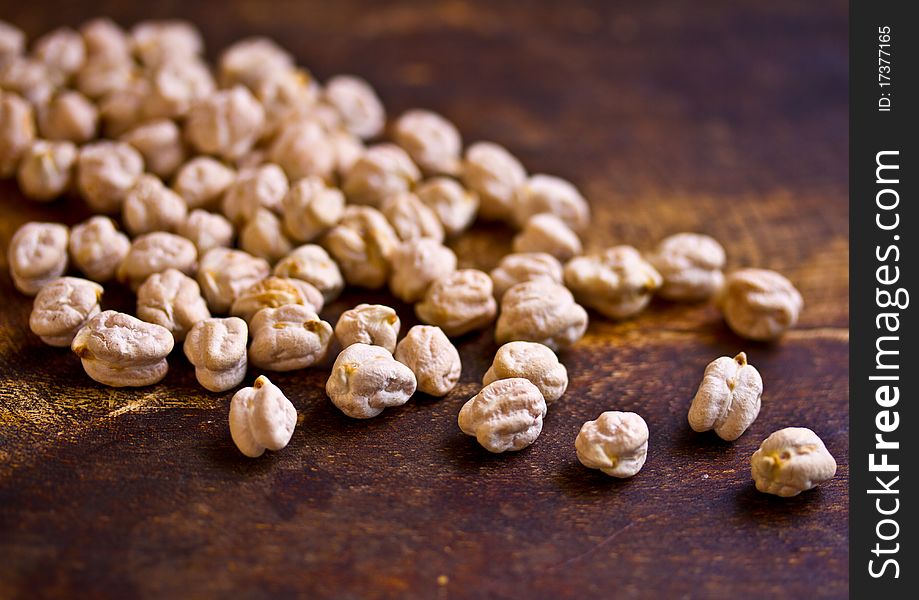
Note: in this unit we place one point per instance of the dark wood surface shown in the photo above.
(722, 118)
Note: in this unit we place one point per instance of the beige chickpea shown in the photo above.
(224, 273)
(458, 303)
(791, 461)
(287, 95)
(251, 60)
(226, 124)
(121, 109)
(348, 149)
(37, 255)
(310, 208)
(97, 248)
(507, 415)
(547, 233)
(103, 38)
(29, 78)
(434, 360)
(62, 51)
(120, 351)
(160, 143)
(256, 157)
(258, 187)
(46, 169)
(525, 266)
(312, 264)
(366, 379)
(151, 206)
(455, 206)
(62, 307)
(106, 172)
(302, 148)
(273, 292)
(759, 304)
(416, 264)
(553, 195)
(157, 41)
(12, 41)
(217, 349)
(616, 443)
(69, 116)
(17, 131)
(103, 75)
(202, 181)
(261, 418)
(362, 244)
(172, 300)
(494, 175)
(411, 218)
(532, 361)
(728, 399)
(618, 283)
(691, 265)
(176, 86)
(432, 141)
(540, 311)
(383, 170)
(360, 109)
(288, 338)
(154, 253)
(264, 237)
(206, 230)
(373, 324)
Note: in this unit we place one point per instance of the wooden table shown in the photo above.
(724, 118)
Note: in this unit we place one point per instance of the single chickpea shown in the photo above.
(46, 169)
(618, 283)
(616, 443)
(383, 170)
(151, 206)
(62, 307)
(176, 86)
(458, 303)
(261, 418)
(69, 116)
(791, 461)
(416, 264)
(310, 208)
(494, 175)
(202, 181)
(62, 51)
(411, 218)
(433, 142)
(12, 42)
(302, 148)
(217, 349)
(507, 415)
(17, 131)
(366, 379)
(312, 264)
(122, 109)
(250, 61)
(288, 338)
(154, 253)
(172, 300)
(97, 248)
(160, 143)
(273, 292)
(37, 255)
(373, 324)
(106, 172)
(103, 38)
(525, 266)
(226, 124)
(759, 304)
(540, 311)
(224, 273)
(360, 108)
(532, 361)
(263, 236)
(254, 188)
(157, 41)
(691, 265)
(547, 233)
(427, 351)
(362, 245)
(207, 230)
(455, 206)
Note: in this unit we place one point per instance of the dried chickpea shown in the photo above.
(383, 170)
(362, 244)
(302, 148)
(540, 311)
(37, 255)
(104, 75)
(312, 264)
(411, 218)
(759, 304)
(495, 175)
(258, 187)
(506, 415)
(226, 124)
(206, 230)
(103, 38)
(427, 351)
(172, 300)
(158, 41)
(224, 273)
(62, 307)
(287, 95)
(416, 264)
(251, 60)
(62, 51)
(120, 351)
(691, 265)
(106, 172)
(348, 149)
(728, 399)
(287, 338)
(616, 443)
(311, 208)
(553, 195)
(153, 253)
(618, 283)
(12, 41)
(791, 461)
(432, 141)
(29, 78)
(366, 379)
(176, 86)
(122, 108)
(459, 302)
(202, 181)
(525, 266)
(455, 206)
(160, 143)
(261, 418)
(17, 131)
(69, 116)
(372, 324)
(46, 169)
(360, 109)
(273, 292)
(264, 237)
(532, 361)
(97, 248)
(151, 206)
(217, 349)
(547, 233)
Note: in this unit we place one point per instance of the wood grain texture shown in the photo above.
(725, 118)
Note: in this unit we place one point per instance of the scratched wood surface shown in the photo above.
(723, 118)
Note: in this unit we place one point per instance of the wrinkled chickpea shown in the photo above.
(46, 169)
(618, 283)
(104, 75)
(97, 248)
(120, 351)
(261, 418)
(158, 41)
(416, 264)
(525, 266)
(62, 51)
(151, 206)
(288, 95)
(310, 208)
(372, 324)
(176, 86)
(37, 255)
(224, 273)
(153, 253)
(106, 172)
(411, 218)
(62, 307)
(202, 181)
(532, 361)
(547, 233)
(217, 349)
(258, 187)
(366, 379)
(759, 304)
(427, 351)
(506, 415)
(553, 195)
(251, 60)
(459, 302)
(288, 338)
(728, 399)
(206, 230)
(69, 116)
(172, 300)
(455, 206)
(29, 78)
(383, 170)
(433, 142)
(791, 461)
(312, 264)
(226, 124)
(360, 109)
(160, 143)
(540, 311)
(302, 148)
(12, 41)
(264, 237)
(616, 443)
(362, 244)
(691, 265)
(17, 131)
(273, 292)
(495, 175)
(348, 149)
(103, 38)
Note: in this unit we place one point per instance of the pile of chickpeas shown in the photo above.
(237, 201)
